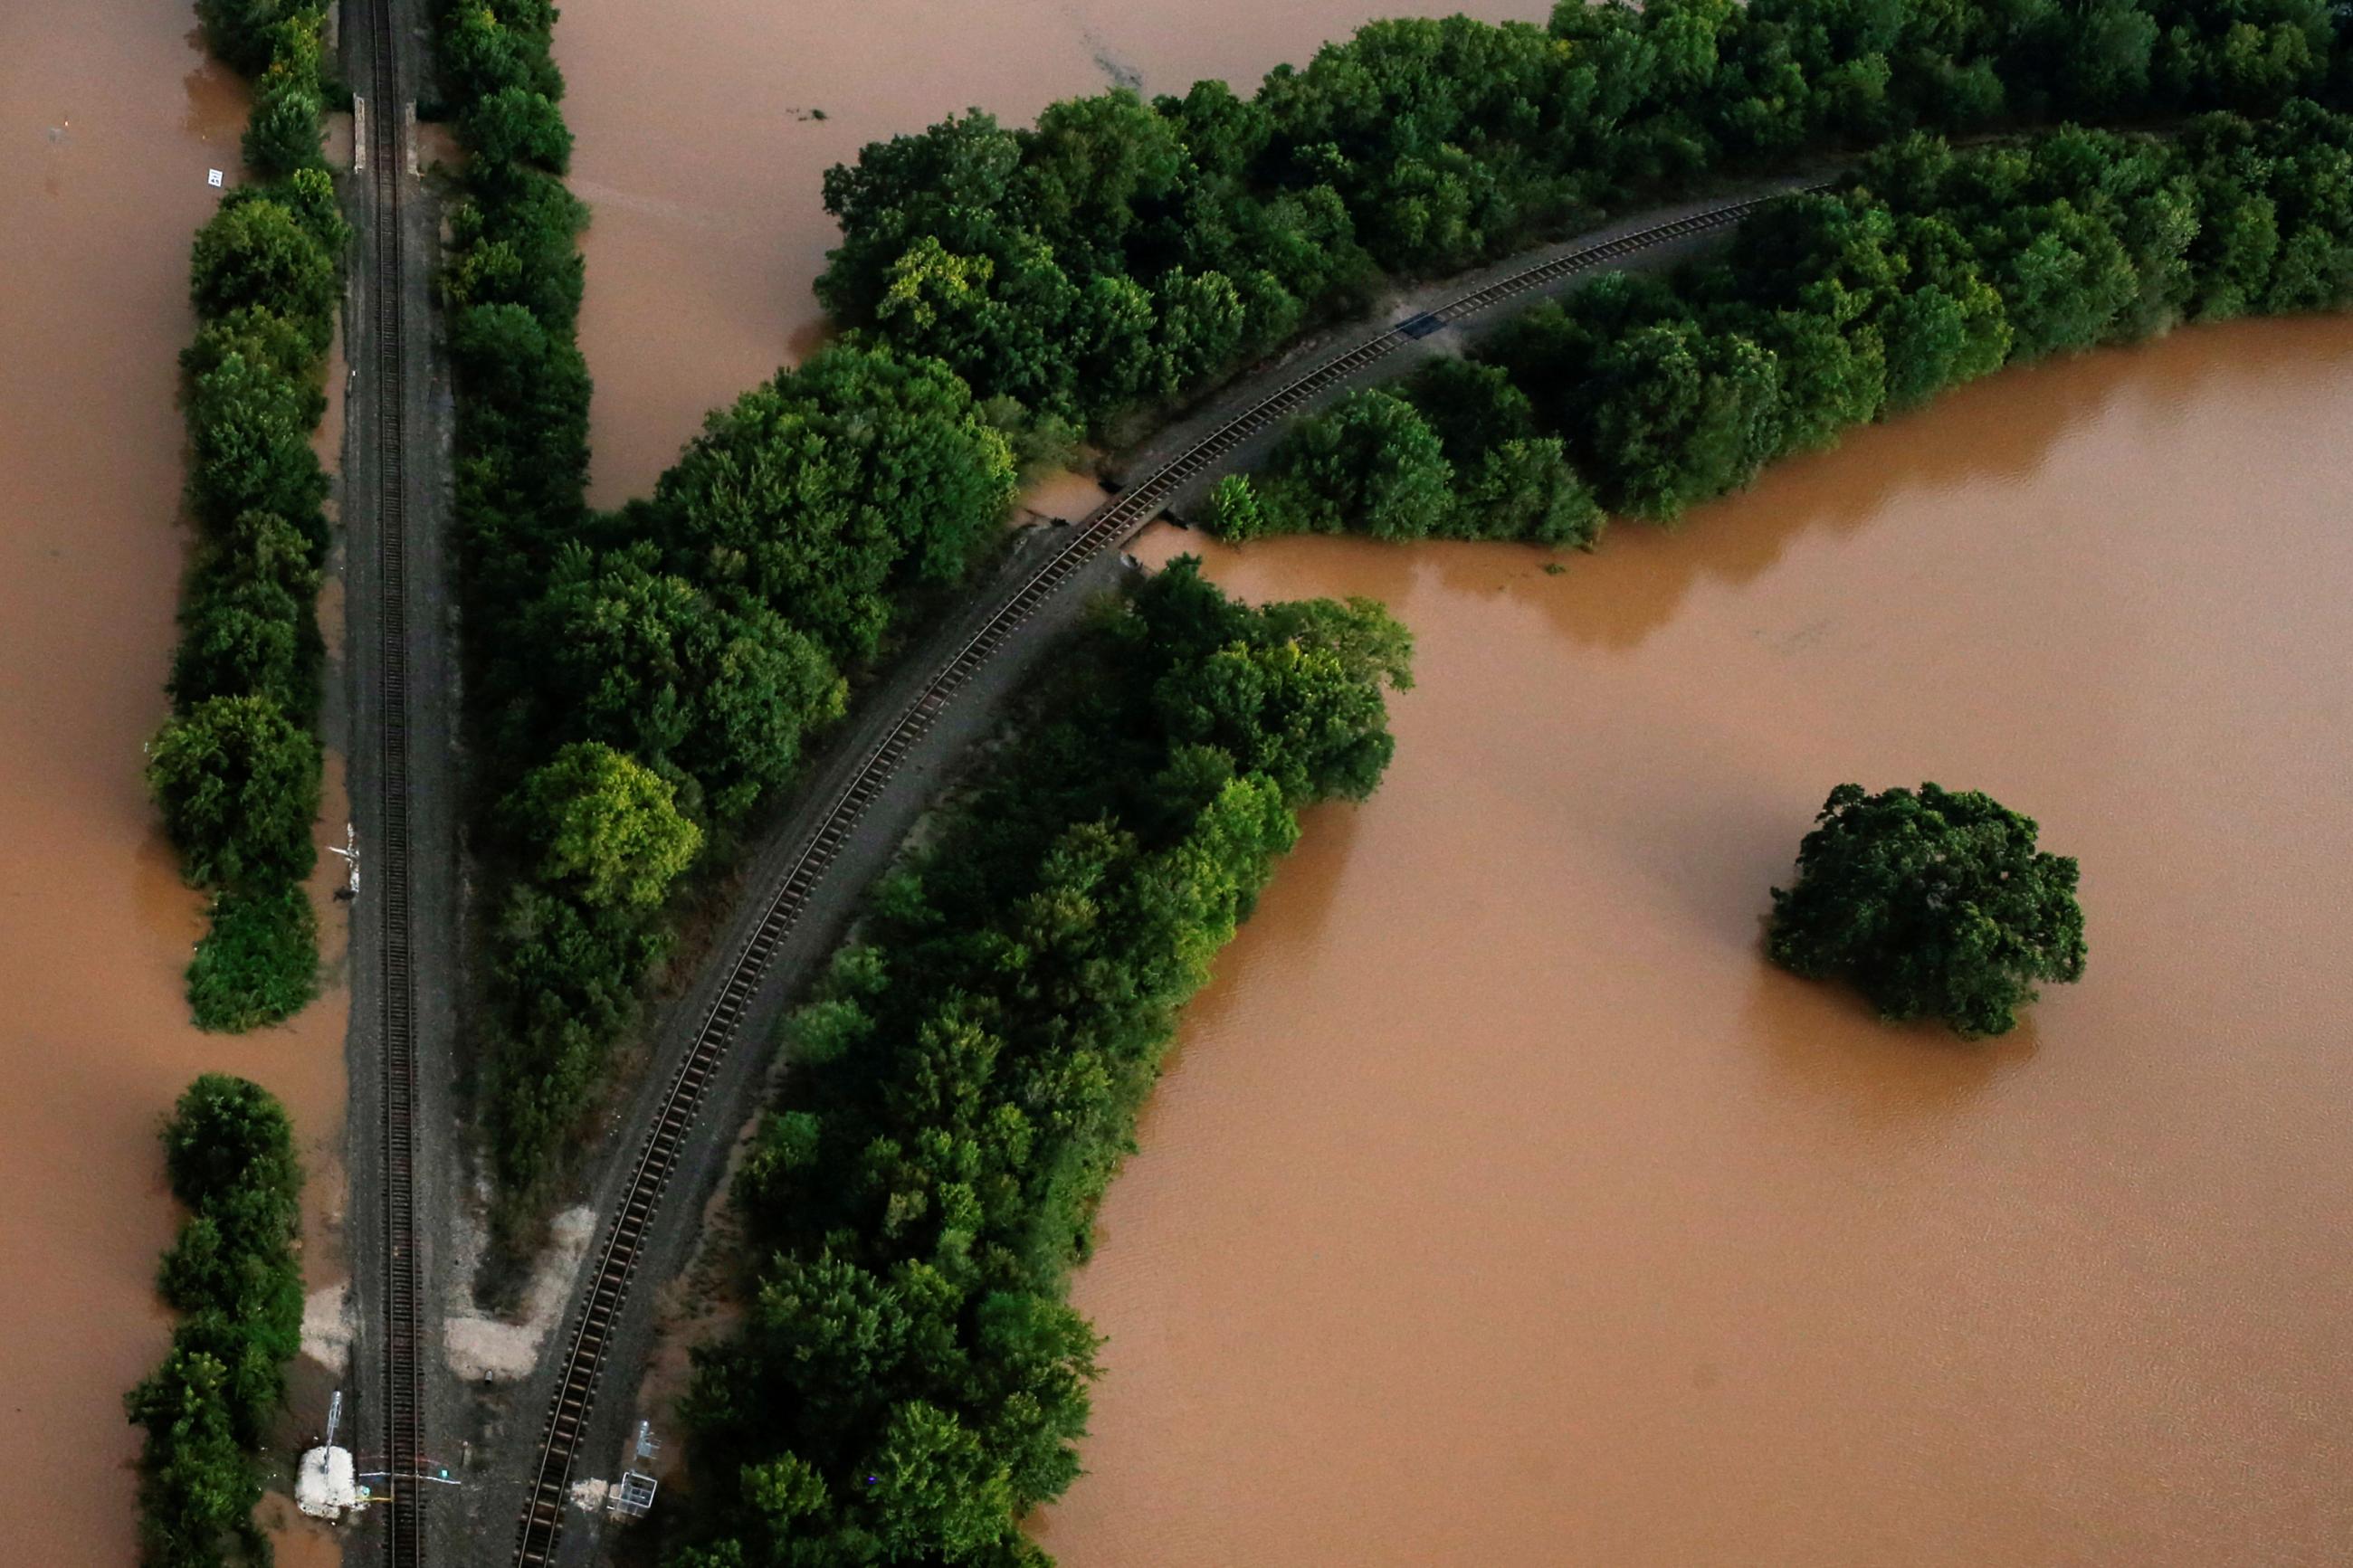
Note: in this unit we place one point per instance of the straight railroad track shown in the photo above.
(388, 859)
(625, 1236)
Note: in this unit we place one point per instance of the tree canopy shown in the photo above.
(909, 1380)
(1123, 252)
(1935, 904)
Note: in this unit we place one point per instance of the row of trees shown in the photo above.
(236, 770)
(910, 1379)
(648, 677)
(1930, 267)
(1121, 253)
(233, 1276)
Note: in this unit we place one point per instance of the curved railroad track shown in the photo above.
(388, 858)
(614, 1260)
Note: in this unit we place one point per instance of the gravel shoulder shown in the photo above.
(434, 698)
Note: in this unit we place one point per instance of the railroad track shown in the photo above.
(616, 1259)
(388, 862)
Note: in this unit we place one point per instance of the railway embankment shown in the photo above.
(886, 766)
(402, 692)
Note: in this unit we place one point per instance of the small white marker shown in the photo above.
(213, 178)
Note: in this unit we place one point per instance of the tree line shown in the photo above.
(1928, 266)
(233, 1276)
(1120, 255)
(647, 677)
(236, 769)
(965, 1081)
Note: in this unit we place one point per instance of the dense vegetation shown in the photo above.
(910, 1379)
(1930, 267)
(648, 677)
(1022, 284)
(236, 769)
(1935, 905)
(233, 1277)
(1121, 253)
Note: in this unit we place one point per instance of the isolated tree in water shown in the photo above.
(1935, 904)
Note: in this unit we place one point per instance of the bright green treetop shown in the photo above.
(607, 823)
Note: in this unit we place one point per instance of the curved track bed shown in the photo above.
(742, 969)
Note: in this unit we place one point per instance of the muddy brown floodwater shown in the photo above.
(1502, 1207)
(109, 118)
(705, 127)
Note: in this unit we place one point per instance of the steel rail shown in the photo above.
(388, 859)
(616, 1260)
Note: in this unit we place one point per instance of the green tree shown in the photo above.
(715, 693)
(198, 1489)
(257, 252)
(258, 961)
(1935, 904)
(250, 445)
(1370, 464)
(937, 1491)
(246, 33)
(1234, 513)
(238, 785)
(606, 824)
(516, 125)
(227, 1135)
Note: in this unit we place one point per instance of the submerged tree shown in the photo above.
(1935, 904)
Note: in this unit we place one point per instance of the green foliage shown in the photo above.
(282, 133)
(1124, 254)
(1235, 513)
(226, 1136)
(233, 1276)
(1930, 267)
(249, 35)
(909, 1380)
(260, 253)
(1935, 905)
(236, 766)
(250, 440)
(238, 784)
(259, 962)
(830, 491)
(1370, 465)
(661, 671)
(516, 125)
(606, 824)
(716, 693)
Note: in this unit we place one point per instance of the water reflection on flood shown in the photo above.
(1504, 1207)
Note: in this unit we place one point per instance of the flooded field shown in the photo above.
(705, 132)
(1504, 1208)
(110, 116)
